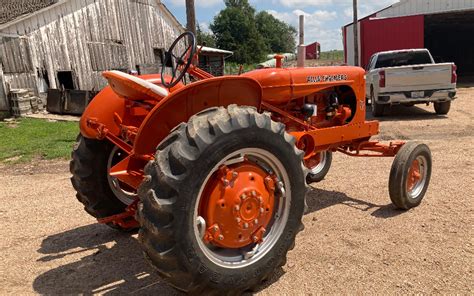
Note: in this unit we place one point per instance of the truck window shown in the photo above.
(403, 59)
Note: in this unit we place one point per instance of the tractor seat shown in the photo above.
(134, 88)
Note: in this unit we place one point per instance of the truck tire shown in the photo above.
(378, 110)
(181, 241)
(89, 168)
(442, 108)
(318, 172)
(410, 175)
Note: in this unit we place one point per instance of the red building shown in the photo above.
(313, 51)
(445, 27)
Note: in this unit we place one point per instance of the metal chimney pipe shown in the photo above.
(301, 46)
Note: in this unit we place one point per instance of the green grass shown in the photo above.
(333, 55)
(26, 139)
(233, 68)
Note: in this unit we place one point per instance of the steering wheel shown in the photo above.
(179, 63)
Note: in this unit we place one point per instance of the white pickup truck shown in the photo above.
(409, 77)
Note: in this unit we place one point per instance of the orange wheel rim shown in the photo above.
(414, 175)
(242, 207)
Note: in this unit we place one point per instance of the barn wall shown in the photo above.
(85, 37)
(390, 34)
(349, 44)
(413, 7)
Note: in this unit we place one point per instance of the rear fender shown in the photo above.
(107, 103)
(184, 103)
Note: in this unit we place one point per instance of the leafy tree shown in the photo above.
(235, 29)
(205, 38)
(278, 35)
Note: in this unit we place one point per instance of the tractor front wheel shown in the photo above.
(318, 166)
(410, 175)
(222, 202)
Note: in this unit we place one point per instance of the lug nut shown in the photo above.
(238, 219)
(262, 210)
(235, 174)
(243, 196)
(220, 237)
(237, 207)
(254, 193)
(216, 227)
(255, 238)
(246, 225)
(226, 182)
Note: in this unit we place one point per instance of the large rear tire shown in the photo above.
(91, 160)
(174, 189)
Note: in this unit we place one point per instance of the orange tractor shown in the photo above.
(214, 173)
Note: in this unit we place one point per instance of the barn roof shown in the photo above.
(417, 7)
(13, 9)
(40, 6)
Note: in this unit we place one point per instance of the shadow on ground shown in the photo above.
(405, 113)
(115, 264)
(114, 270)
(318, 199)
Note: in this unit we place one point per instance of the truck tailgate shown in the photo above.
(418, 77)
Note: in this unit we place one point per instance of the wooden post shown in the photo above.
(191, 16)
(301, 47)
(356, 35)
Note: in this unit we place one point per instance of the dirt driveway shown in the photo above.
(354, 240)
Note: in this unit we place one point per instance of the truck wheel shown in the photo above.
(442, 108)
(222, 202)
(101, 195)
(318, 167)
(410, 175)
(378, 110)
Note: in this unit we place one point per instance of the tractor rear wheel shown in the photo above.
(101, 195)
(222, 202)
(318, 167)
(410, 175)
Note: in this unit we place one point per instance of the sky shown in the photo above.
(323, 22)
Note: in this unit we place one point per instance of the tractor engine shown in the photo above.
(332, 107)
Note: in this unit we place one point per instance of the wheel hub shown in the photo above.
(238, 204)
(414, 175)
(313, 161)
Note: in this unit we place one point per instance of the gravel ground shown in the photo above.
(354, 241)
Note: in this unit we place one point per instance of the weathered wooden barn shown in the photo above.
(66, 44)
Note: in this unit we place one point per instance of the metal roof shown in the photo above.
(55, 3)
(417, 7)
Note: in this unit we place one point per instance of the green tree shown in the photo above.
(235, 29)
(204, 38)
(278, 35)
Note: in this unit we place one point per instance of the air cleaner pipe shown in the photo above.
(301, 46)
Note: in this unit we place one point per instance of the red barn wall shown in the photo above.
(390, 34)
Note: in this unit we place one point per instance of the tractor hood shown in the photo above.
(279, 84)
